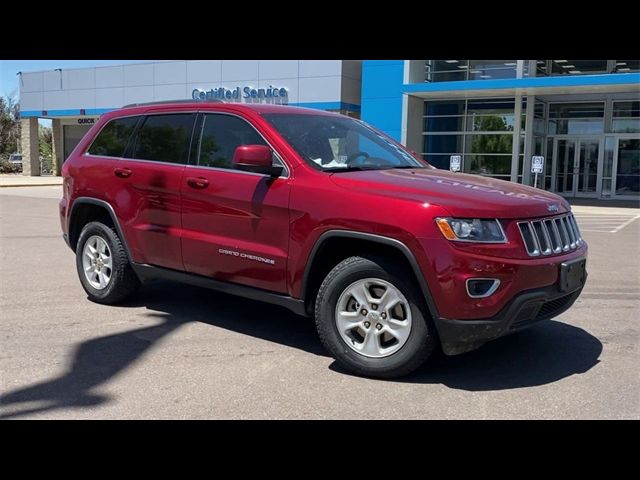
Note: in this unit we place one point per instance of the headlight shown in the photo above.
(471, 230)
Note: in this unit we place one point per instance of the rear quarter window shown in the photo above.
(112, 139)
(164, 138)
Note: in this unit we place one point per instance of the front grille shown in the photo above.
(550, 236)
(532, 313)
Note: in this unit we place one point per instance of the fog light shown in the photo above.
(482, 287)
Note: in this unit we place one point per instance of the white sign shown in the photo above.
(87, 120)
(537, 164)
(454, 163)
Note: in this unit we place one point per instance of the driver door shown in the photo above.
(235, 224)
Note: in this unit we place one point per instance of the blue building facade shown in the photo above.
(582, 116)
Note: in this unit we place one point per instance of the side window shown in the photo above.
(164, 138)
(221, 134)
(113, 138)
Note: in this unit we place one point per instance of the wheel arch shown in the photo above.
(324, 254)
(85, 210)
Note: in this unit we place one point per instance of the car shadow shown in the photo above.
(543, 354)
(96, 361)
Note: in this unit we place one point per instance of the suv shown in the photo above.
(15, 159)
(322, 214)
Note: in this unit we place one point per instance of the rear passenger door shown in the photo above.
(235, 223)
(150, 177)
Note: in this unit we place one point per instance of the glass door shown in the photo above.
(586, 171)
(627, 167)
(576, 165)
(564, 158)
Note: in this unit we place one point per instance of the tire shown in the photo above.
(374, 274)
(122, 280)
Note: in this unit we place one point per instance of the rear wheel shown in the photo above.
(103, 265)
(371, 319)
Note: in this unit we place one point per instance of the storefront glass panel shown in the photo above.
(626, 117)
(454, 70)
(628, 167)
(480, 130)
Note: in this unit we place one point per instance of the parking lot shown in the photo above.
(176, 351)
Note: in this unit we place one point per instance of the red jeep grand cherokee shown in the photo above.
(324, 215)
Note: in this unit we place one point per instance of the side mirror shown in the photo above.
(256, 159)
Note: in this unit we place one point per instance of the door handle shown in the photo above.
(122, 172)
(197, 182)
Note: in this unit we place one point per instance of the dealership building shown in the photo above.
(581, 116)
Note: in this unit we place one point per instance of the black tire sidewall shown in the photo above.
(417, 347)
(104, 232)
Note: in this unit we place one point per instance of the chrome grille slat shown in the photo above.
(572, 235)
(547, 239)
(541, 238)
(563, 234)
(574, 225)
(556, 243)
(536, 246)
(550, 236)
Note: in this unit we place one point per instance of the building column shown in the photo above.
(515, 148)
(58, 154)
(412, 115)
(414, 71)
(30, 146)
(528, 141)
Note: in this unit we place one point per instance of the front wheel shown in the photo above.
(370, 318)
(103, 265)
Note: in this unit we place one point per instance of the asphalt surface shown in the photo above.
(182, 352)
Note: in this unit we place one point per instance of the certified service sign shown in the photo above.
(246, 94)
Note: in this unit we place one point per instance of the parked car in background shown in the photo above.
(15, 159)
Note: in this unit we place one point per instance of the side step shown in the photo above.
(150, 272)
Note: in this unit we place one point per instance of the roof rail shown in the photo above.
(160, 102)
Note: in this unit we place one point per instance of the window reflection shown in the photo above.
(626, 66)
(453, 70)
(626, 117)
(628, 174)
(576, 118)
(479, 129)
(577, 67)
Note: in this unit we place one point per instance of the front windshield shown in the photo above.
(334, 144)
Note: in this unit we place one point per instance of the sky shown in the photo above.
(10, 68)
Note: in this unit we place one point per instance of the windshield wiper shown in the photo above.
(360, 169)
(345, 169)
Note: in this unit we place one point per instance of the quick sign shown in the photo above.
(247, 93)
(454, 163)
(537, 164)
(87, 121)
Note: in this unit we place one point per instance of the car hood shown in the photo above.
(462, 195)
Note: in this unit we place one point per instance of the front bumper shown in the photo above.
(447, 267)
(524, 310)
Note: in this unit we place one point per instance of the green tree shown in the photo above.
(45, 137)
(45, 144)
(9, 126)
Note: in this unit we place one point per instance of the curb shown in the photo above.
(33, 185)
